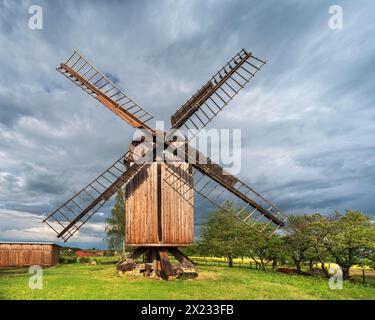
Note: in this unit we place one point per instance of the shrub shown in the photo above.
(84, 260)
(108, 253)
(67, 259)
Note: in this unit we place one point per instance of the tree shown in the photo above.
(345, 239)
(261, 249)
(370, 253)
(349, 238)
(225, 236)
(195, 249)
(115, 224)
(221, 235)
(276, 250)
(298, 242)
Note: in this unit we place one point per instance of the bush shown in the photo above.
(84, 260)
(67, 259)
(109, 253)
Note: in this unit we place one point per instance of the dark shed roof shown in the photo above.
(29, 242)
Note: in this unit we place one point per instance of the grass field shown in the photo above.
(77, 281)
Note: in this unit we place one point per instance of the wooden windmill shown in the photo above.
(160, 194)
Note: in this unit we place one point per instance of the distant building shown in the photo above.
(24, 254)
(89, 253)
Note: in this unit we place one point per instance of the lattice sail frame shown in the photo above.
(214, 95)
(81, 72)
(213, 183)
(67, 219)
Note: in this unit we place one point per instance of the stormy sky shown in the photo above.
(307, 119)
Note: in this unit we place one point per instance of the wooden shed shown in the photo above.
(24, 254)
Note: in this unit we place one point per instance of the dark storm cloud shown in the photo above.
(307, 118)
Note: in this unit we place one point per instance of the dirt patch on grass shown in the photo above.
(207, 275)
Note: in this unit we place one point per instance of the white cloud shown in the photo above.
(26, 226)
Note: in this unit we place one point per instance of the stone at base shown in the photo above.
(186, 273)
(127, 265)
(130, 267)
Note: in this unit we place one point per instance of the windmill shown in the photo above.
(159, 194)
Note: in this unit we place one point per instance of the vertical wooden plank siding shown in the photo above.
(177, 211)
(27, 254)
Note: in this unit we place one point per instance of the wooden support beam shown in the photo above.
(121, 112)
(107, 101)
(166, 265)
(181, 258)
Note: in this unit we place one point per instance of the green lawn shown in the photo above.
(76, 281)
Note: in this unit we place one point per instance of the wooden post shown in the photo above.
(183, 259)
(165, 263)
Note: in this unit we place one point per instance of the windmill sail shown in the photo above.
(209, 100)
(67, 219)
(91, 80)
(213, 183)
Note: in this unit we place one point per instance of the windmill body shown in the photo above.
(157, 213)
(159, 204)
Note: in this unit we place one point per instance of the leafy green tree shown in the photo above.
(300, 239)
(221, 235)
(225, 236)
(345, 239)
(349, 238)
(195, 249)
(296, 241)
(277, 251)
(261, 249)
(115, 224)
(370, 254)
